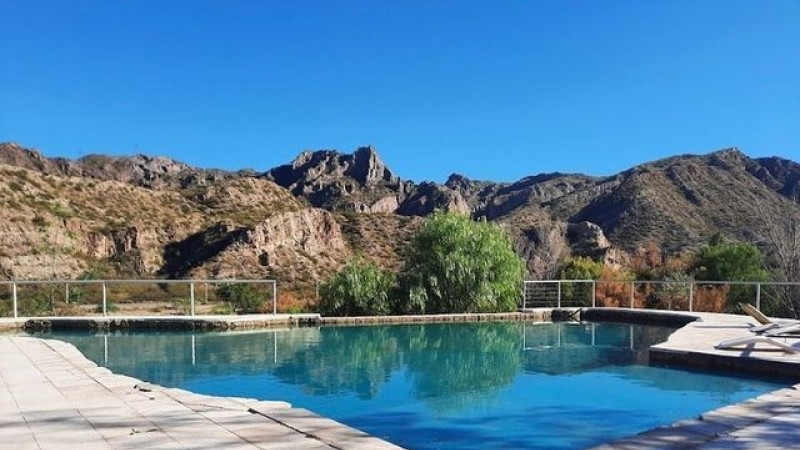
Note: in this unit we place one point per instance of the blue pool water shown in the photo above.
(437, 386)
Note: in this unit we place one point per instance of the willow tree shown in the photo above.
(454, 264)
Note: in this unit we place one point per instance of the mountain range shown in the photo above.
(145, 216)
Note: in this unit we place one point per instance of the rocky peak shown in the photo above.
(468, 187)
(456, 181)
(729, 158)
(153, 172)
(363, 166)
(158, 164)
(14, 154)
(141, 170)
(428, 197)
(345, 182)
(367, 167)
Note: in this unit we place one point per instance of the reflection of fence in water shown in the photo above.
(558, 338)
(562, 347)
(700, 296)
(107, 347)
(35, 298)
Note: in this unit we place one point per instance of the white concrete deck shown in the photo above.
(52, 397)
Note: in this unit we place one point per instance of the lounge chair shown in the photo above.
(768, 326)
(765, 333)
(751, 341)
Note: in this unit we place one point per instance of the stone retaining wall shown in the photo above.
(541, 315)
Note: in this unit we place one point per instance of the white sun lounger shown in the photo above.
(784, 330)
(768, 326)
(751, 341)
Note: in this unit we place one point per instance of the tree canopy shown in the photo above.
(724, 261)
(454, 264)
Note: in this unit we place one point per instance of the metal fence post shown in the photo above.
(191, 299)
(274, 297)
(524, 294)
(105, 306)
(633, 292)
(691, 297)
(14, 298)
(594, 295)
(558, 283)
(758, 295)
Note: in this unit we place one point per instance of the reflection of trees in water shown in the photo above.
(442, 360)
(450, 366)
(347, 359)
(447, 360)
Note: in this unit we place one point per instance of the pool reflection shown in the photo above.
(465, 363)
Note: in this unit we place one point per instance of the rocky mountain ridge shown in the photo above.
(152, 216)
(361, 182)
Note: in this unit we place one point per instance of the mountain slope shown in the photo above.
(152, 216)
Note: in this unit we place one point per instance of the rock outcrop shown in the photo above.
(429, 197)
(335, 181)
(361, 182)
(298, 247)
(154, 172)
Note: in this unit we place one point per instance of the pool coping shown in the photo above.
(750, 424)
(180, 323)
(249, 322)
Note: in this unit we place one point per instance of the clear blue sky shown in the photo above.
(490, 89)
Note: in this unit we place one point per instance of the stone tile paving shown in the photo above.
(52, 397)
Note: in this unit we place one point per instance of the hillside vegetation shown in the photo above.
(145, 216)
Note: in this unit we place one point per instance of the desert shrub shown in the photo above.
(711, 297)
(673, 295)
(580, 269)
(724, 261)
(456, 265)
(613, 287)
(110, 307)
(360, 288)
(69, 310)
(224, 309)
(38, 305)
(243, 297)
(288, 302)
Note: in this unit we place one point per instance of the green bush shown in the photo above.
(110, 307)
(224, 309)
(723, 261)
(243, 297)
(456, 265)
(360, 288)
(580, 268)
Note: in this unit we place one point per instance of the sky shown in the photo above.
(493, 90)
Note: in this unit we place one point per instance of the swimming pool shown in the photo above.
(432, 386)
